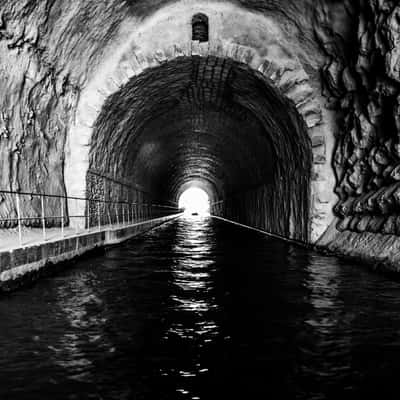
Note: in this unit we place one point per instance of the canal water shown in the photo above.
(202, 309)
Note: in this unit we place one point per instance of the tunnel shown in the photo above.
(199, 199)
(215, 124)
(284, 113)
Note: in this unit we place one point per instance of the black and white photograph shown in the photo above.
(199, 199)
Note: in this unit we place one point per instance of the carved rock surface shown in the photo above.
(367, 155)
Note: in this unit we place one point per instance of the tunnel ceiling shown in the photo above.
(207, 120)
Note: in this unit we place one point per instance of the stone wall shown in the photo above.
(41, 62)
(262, 208)
(120, 200)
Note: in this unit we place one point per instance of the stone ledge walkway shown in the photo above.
(9, 239)
(20, 262)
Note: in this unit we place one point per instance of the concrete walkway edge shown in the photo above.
(26, 261)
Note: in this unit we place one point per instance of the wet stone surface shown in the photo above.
(200, 309)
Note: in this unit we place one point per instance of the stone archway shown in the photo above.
(211, 119)
(165, 36)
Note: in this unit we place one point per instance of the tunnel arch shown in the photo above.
(277, 61)
(214, 120)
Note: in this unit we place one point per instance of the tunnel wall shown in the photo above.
(364, 87)
(45, 57)
(263, 208)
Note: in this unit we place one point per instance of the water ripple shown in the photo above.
(199, 309)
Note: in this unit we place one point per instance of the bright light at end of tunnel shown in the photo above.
(194, 201)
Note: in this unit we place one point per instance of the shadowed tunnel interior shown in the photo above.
(212, 123)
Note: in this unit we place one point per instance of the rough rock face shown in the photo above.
(46, 52)
(364, 86)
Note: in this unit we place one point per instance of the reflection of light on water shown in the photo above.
(323, 284)
(191, 304)
(191, 273)
(192, 280)
(82, 308)
(192, 276)
(326, 321)
(207, 329)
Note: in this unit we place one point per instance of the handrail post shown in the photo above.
(62, 216)
(19, 220)
(98, 215)
(76, 216)
(123, 214)
(109, 214)
(116, 212)
(87, 216)
(43, 217)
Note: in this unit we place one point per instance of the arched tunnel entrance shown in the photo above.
(214, 123)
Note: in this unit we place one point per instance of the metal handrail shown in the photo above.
(124, 211)
(59, 196)
(217, 202)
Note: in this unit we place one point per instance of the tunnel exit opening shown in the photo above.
(194, 201)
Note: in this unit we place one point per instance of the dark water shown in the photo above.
(201, 309)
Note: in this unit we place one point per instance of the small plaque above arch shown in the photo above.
(200, 27)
